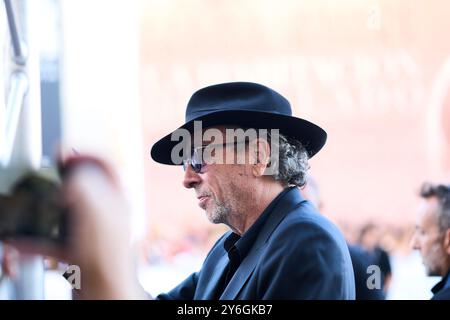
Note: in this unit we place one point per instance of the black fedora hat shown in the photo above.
(244, 104)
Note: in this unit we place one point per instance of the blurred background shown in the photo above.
(116, 75)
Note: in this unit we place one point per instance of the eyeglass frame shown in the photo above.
(198, 166)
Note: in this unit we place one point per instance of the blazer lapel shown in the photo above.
(241, 276)
(287, 204)
(213, 281)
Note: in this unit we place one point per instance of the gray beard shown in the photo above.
(220, 214)
(433, 268)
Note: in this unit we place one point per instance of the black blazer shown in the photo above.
(361, 261)
(442, 295)
(298, 254)
(441, 290)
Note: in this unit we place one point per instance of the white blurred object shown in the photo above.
(163, 276)
(100, 91)
(409, 281)
(56, 286)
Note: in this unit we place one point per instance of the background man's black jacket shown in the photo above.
(442, 289)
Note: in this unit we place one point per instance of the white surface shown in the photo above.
(100, 91)
(409, 281)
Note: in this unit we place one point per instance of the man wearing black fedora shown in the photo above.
(278, 246)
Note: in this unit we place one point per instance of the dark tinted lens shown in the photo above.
(197, 167)
(194, 162)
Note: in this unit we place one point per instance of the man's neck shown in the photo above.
(259, 200)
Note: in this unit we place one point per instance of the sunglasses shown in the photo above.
(196, 159)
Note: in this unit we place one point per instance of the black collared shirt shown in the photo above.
(238, 247)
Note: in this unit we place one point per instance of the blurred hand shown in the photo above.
(9, 262)
(99, 233)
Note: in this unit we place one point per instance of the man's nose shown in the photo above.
(191, 178)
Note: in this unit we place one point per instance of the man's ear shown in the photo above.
(260, 154)
(447, 241)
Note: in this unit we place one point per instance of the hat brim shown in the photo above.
(310, 135)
